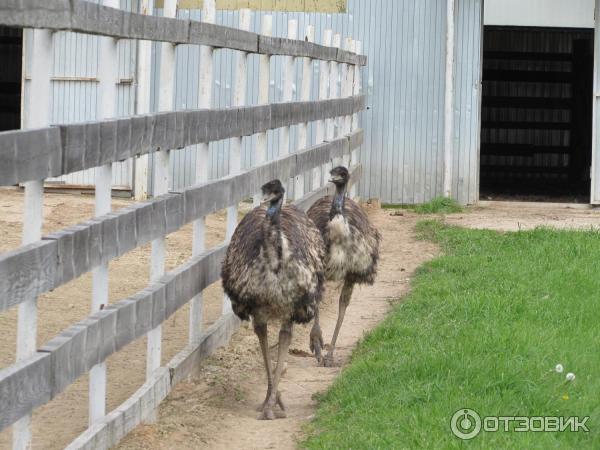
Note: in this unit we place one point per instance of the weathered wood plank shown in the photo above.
(29, 155)
(24, 386)
(92, 18)
(27, 272)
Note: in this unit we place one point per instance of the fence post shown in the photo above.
(38, 115)
(355, 154)
(347, 74)
(204, 101)
(287, 88)
(320, 132)
(107, 74)
(160, 187)
(235, 152)
(266, 29)
(305, 96)
(142, 102)
(334, 92)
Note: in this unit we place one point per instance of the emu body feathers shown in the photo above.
(275, 272)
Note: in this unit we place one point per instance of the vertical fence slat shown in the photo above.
(107, 74)
(235, 153)
(266, 29)
(143, 75)
(321, 129)
(205, 99)
(38, 115)
(355, 153)
(287, 87)
(334, 92)
(306, 87)
(166, 95)
(346, 91)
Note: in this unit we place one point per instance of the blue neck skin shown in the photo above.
(337, 205)
(274, 210)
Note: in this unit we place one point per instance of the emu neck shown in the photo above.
(337, 205)
(274, 211)
(272, 235)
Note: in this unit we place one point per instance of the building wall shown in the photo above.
(540, 13)
(404, 80)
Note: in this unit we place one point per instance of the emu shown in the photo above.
(352, 246)
(274, 270)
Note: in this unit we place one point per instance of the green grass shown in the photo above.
(439, 205)
(483, 328)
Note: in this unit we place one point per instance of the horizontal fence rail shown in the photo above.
(92, 18)
(76, 250)
(27, 155)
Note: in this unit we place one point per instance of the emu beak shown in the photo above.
(335, 178)
(267, 198)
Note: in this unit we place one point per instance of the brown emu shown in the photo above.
(274, 270)
(352, 246)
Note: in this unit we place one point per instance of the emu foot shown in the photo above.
(316, 343)
(262, 407)
(267, 412)
(327, 361)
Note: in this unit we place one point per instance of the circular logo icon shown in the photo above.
(465, 424)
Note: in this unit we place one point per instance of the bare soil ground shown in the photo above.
(216, 409)
(514, 216)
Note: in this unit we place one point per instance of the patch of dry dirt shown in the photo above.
(514, 216)
(64, 418)
(217, 409)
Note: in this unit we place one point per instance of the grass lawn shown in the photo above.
(483, 328)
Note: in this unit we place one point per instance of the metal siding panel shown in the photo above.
(467, 93)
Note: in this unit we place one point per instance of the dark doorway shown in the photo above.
(11, 54)
(536, 118)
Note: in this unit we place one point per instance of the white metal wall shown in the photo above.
(404, 40)
(75, 93)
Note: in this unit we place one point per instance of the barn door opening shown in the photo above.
(11, 45)
(536, 131)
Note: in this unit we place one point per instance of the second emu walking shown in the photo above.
(352, 246)
(274, 270)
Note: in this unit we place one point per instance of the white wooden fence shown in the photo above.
(41, 151)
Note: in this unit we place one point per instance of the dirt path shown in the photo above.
(217, 409)
(514, 216)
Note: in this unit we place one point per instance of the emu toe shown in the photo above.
(327, 361)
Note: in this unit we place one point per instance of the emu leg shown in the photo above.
(316, 337)
(344, 301)
(261, 331)
(285, 338)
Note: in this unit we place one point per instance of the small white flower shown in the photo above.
(570, 376)
(559, 368)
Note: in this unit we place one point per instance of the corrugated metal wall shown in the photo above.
(75, 95)
(467, 101)
(404, 80)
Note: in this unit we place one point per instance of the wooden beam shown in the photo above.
(73, 147)
(91, 18)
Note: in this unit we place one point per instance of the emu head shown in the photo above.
(272, 191)
(339, 176)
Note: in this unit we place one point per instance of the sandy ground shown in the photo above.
(216, 409)
(514, 216)
(60, 421)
